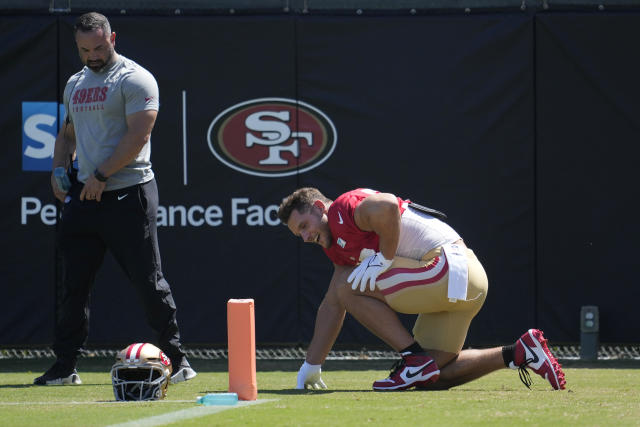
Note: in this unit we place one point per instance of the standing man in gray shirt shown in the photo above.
(111, 107)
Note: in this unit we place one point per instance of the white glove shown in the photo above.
(309, 377)
(369, 270)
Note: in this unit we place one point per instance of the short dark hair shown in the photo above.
(301, 200)
(92, 21)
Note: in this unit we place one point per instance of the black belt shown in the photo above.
(429, 211)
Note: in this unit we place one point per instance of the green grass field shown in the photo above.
(600, 394)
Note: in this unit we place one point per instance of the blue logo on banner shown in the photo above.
(39, 129)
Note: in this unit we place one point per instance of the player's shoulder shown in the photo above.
(363, 192)
(354, 196)
(72, 82)
(131, 71)
(343, 207)
(75, 77)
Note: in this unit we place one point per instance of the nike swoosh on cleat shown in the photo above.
(411, 374)
(533, 353)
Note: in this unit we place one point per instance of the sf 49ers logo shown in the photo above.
(272, 137)
(164, 359)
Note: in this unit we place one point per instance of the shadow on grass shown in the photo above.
(49, 387)
(100, 364)
(97, 364)
(16, 386)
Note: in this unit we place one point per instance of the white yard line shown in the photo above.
(156, 420)
(101, 402)
(185, 414)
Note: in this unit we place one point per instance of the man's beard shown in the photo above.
(98, 65)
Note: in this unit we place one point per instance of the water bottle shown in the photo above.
(218, 399)
(62, 179)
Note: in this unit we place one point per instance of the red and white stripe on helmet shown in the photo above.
(133, 352)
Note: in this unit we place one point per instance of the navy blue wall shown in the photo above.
(522, 127)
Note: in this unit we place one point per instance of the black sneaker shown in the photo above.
(59, 374)
(182, 372)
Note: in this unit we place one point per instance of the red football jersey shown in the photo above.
(347, 240)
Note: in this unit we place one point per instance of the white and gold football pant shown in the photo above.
(420, 287)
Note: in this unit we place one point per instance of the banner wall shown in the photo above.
(499, 120)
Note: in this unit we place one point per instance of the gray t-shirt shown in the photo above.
(97, 105)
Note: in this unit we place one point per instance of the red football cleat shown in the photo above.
(413, 369)
(532, 352)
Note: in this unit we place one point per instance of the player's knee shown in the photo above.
(348, 297)
(345, 294)
(430, 372)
